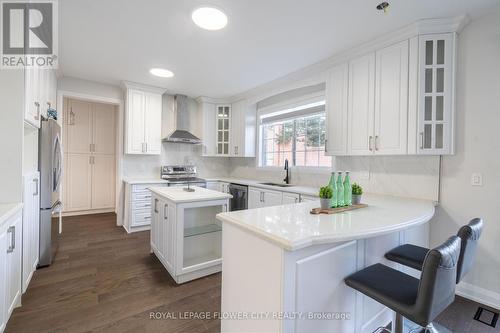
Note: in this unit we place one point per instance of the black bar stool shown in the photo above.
(413, 256)
(421, 301)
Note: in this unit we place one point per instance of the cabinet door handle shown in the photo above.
(235, 150)
(376, 142)
(12, 231)
(421, 140)
(370, 143)
(326, 144)
(156, 205)
(71, 120)
(165, 212)
(263, 196)
(37, 105)
(146, 144)
(36, 187)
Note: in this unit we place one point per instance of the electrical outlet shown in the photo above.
(476, 179)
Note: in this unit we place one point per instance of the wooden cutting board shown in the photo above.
(337, 210)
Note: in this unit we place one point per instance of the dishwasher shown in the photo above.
(240, 197)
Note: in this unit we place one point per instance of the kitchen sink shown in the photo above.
(277, 184)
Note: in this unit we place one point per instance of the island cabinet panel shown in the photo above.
(329, 294)
(185, 236)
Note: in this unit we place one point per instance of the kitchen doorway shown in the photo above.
(90, 152)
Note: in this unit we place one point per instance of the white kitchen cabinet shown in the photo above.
(40, 94)
(378, 102)
(137, 211)
(436, 94)
(336, 110)
(209, 129)
(361, 105)
(223, 187)
(143, 120)
(31, 227)
(78, 130)
(391, 100)
(3, 278)
(258, 198)
(13, 262)
(290, 198)
(243, 129)
(308, 198)
(213, 185)
(223, 128)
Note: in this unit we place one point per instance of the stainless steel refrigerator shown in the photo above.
(50, 166)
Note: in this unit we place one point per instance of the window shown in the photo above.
(298, 136)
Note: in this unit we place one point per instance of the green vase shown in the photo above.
(347, 190)
(333, 186)
(340, 190)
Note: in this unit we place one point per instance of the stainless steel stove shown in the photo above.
(181, 175)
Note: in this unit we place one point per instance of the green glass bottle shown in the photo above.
(333, 186)
(347, 190)
(340, 190)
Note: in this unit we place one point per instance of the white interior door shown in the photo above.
(79, 127)
(391, 100)
(103, 128)
(361, 105)
(79, 182)
(103, 181)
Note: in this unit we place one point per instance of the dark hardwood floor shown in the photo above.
(103, 280)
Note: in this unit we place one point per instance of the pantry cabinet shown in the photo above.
(40, 94)
(89, 157)
(436, 94)
(143, 121)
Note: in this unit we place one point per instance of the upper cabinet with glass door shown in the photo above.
(223, 116)
(436, 94)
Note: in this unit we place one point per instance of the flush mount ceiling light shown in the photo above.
(209, 18)
(161, 72)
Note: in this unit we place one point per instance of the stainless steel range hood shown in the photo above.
(181, 133)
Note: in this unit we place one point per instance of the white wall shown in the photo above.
(89, 88)
(478, 150)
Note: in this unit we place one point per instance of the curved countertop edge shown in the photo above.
(8, 210)
(327, 239)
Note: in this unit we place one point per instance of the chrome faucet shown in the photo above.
(287, 178)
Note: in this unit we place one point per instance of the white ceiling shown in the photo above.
(113, 40)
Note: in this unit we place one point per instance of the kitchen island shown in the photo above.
(185, 234)
(284, 269)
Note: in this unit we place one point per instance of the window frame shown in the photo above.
(301, 113)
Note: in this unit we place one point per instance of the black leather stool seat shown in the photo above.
(409, 255)
(386, 285)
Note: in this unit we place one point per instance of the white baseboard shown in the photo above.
(88, 212)
(478, 294)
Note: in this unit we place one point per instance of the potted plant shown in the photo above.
(357, 191)
(325, 195)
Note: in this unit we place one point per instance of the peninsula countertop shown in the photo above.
(178, 195)
(293, 227)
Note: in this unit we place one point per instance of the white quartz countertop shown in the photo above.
(135, 181)
(293, 227)
(312, 191)
(7, 210)
(178, 195)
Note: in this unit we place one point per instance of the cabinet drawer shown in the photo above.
(141, 218)
(141, 205)
(141, 196)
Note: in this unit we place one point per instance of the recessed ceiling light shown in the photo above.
(161, 72)
(209, 18)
